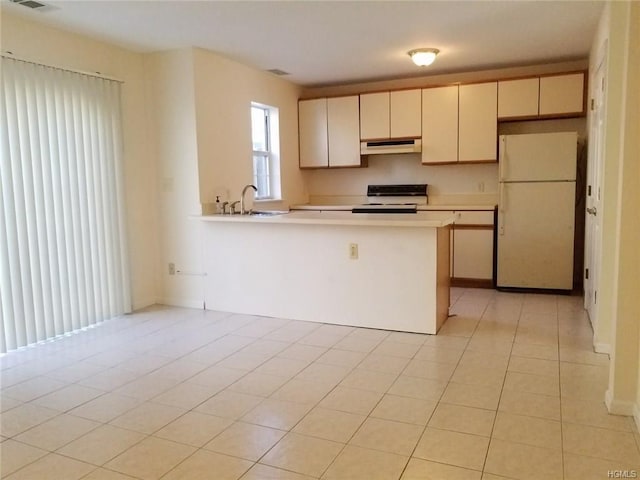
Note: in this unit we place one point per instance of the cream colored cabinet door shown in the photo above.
(478, 122)
(518, 98)
(312, 133)
(473, 254)
(440, 125)
(562, 94)
(343, 131)
(374, 116)
(406, 113)
(473, 245)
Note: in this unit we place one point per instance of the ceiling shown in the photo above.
(330, 42)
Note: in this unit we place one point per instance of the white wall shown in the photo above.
(171, 96)
(618, 36)
(200, 109)
(621, 232)
(39, 43)
(224, 90)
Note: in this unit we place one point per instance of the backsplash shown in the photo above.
(404, 168)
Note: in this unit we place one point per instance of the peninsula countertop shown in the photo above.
(422, 219)
(425, 208)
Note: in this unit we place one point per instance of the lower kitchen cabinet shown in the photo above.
(473, 254)
(473, 249)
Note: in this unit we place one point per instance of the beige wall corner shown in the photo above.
(224, 90)
(170, 92)
(621, 257)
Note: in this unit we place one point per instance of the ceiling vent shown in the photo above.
(276, 71)
(32, 4)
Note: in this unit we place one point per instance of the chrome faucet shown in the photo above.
(244, 190)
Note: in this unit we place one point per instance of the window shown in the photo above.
(266, 151)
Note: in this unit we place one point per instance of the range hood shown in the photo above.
(375, 147)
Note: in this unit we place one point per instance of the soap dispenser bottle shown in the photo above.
(218, 206)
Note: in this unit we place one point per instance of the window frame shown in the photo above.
(270, 155)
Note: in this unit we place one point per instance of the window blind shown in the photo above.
(63, 250)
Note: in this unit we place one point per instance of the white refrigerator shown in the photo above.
(536, 210)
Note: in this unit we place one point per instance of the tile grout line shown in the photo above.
(442, 394)
(560, 393)
(484, 464)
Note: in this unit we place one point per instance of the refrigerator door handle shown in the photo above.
(501, 209)
(502, 158)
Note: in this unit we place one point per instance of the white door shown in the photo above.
(593, 220)
(535, 235)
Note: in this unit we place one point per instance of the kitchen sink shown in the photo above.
(267, 213)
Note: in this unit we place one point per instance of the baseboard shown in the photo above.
(182, 302)
(471, 282)
(636, 415)
(619, 407)
(146, 302)
(602, 348)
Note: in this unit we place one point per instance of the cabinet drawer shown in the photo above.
(475, 218)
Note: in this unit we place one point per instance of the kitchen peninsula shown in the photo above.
(387, 271)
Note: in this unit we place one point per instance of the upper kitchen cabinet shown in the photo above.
(562, 94)
(375, 119)
(549, 96)
(518, 98)
(440, 125)
(344, 131)
(387, 115)
(406, 114)
(329, 132)
(313, 134)
(478, 122)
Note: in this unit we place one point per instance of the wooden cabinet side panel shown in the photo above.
(344, 131)
(440, 125)
(406, 113)
(374, 116)
(478, 122)
(312, 125)
(443, 276)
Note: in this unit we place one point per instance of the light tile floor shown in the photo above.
(509, 388)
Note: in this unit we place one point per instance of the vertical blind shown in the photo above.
(63, 252)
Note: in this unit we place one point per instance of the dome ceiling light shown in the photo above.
(423, 56)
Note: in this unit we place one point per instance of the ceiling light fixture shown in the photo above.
(423, 56)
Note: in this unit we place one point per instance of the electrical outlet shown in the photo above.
(353, 251)
(172, 268)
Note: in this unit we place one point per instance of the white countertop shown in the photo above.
(329, 208)
(420, 219)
